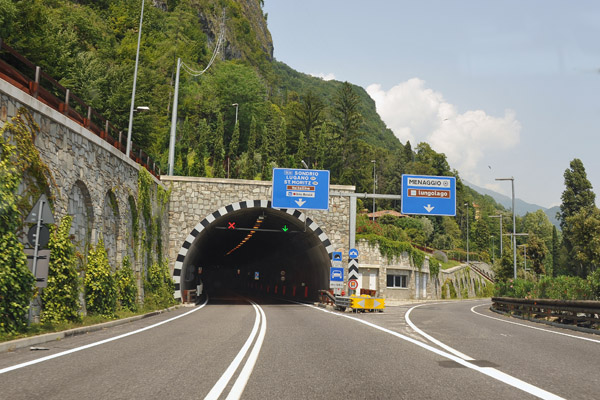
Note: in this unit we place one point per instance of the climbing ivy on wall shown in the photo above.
(61, 297)
(16, 282)
(21, 132)
(158, 285)
(391, 248)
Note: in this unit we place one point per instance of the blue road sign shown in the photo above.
(353, 253)
(306, 189)
(336, 256)
(336, 274)
(428, 195)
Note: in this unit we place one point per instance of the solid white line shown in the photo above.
(491, 372)
(533, 327)
(242, 380)
(431, 338)
(218, 388)
(87, 346)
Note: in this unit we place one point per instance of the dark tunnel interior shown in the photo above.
(261, 250)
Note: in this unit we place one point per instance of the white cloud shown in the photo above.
(326, 77)
(416, 113)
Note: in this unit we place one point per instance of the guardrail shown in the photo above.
(28, 77)
(585, 313)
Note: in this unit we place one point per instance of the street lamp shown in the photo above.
(374, 181)
(512, 180)
(137, 57)
(174, 120)
(467, 204)
(236, 112)
(499, 216)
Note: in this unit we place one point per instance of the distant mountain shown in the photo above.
(521, 207)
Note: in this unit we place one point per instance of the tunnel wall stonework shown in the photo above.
(193, 199)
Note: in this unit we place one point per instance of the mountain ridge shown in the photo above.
(522, 207)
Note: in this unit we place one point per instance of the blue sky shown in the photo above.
(503, 88)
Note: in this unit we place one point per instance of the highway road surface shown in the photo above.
(258, 348)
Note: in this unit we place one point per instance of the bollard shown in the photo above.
(306, 291)
(294, 290)
(283, 290)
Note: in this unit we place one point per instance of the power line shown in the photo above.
(220, 41)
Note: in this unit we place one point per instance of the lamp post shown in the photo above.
(467, 204)
(493, 255)
(174, 120)
(499, 216)
(137, 57)
(374, 181)
(236, 112)
(512, 180)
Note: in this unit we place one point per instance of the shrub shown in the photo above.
(127, 291)
(61, 297)
(100, 288)
(159, 287)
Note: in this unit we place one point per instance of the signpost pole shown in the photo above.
(37, 238)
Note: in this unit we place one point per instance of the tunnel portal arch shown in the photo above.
(181, 262)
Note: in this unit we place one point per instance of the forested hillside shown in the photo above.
(245, 114)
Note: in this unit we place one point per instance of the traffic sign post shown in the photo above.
(352, 253)
(300, 189)
(428, 195)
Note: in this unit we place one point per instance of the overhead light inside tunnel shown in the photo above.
(256, 226)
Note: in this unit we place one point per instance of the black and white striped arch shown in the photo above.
(231, 208)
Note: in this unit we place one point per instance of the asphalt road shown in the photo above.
(265, 349)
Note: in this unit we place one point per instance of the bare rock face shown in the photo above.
(246, 32)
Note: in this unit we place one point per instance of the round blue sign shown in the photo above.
(353, 253)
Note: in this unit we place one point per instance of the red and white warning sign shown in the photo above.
(353, 284)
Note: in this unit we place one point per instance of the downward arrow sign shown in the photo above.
(300, 202)
(428, 208)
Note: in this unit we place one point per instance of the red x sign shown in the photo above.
(231, 225)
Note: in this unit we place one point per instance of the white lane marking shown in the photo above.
(218, 388)
(533, 327)
(491, 372)
(431, 338)
(87, 346)
(242, 380)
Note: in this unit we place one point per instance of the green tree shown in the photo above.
(584, 236)
(577, 199)
(536, 253)
(555, 251)
(61, 296)
(308, 116)
(218, 151)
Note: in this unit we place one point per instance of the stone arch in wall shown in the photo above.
(110, 227)
(81, 209)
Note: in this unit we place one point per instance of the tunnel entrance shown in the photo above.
(249, 246)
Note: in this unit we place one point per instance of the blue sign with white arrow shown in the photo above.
(428, 195)
(306, 189)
